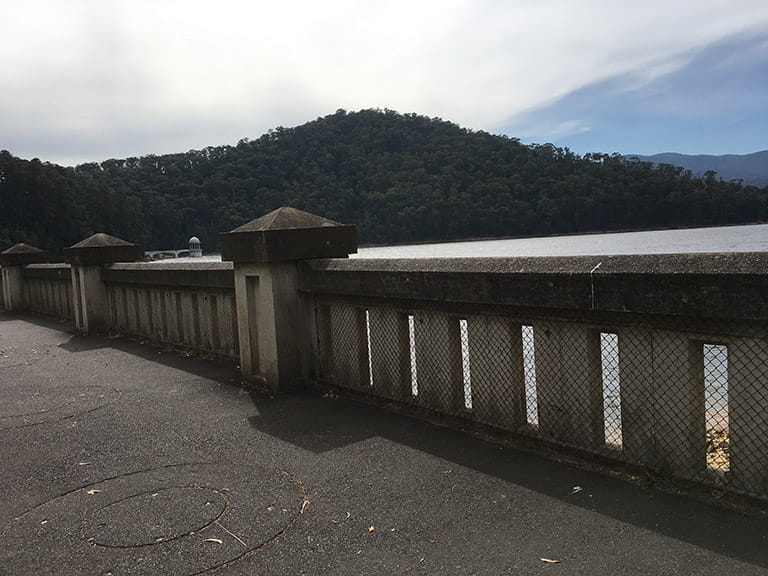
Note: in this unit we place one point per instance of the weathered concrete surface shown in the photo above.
(288, 234)
(121, 459)
(21, 254)
(176, 274)
(728, 285)
(102, 249)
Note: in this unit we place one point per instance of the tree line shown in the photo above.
(398, 177)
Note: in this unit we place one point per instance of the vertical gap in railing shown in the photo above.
(609, 365)
(465, 369)
(412, 354)
(368, 341)
(716, 406)
(529, 372)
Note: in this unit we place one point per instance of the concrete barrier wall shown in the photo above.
(446, 335)
(48, 289)
(191, 305)
(515, 343)
(179, 304)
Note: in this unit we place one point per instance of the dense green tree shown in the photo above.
(399, 177)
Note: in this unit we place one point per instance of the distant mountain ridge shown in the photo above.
(751, 168)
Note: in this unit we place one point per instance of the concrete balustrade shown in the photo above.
(191, 305)
(663, 309)
(13, 260)
(48, 289)
(445, 334)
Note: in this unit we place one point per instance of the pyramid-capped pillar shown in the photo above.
(12, 261)
(288, 234)
(22, 254)
(89, 293)
(102, 249)
(274, 318)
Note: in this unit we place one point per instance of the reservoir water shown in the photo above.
(751, 238)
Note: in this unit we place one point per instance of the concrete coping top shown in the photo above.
(202, 275)
(101, 240)
(48, 266)
(21, 254)
(743, 263)
(102, 249)
(168, 265)
(723, 286)
(288, 234)
(286, 218)
(22, 248)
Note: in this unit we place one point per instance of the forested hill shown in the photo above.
(398, 177)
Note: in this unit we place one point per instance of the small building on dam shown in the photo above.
(194, 250)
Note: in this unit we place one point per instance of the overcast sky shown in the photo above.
(87, 80)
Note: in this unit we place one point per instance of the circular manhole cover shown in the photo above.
(183, 519)
(154, 517)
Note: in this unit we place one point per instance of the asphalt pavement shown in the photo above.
(121, 458)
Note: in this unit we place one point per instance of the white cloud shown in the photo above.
(172, 75)
(550, 131)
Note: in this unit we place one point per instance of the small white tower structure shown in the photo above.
(195, 249)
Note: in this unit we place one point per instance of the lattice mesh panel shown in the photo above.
(684, 398)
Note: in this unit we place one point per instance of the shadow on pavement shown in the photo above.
(223, 370)
(321, 425)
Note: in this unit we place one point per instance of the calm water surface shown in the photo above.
(752, 238)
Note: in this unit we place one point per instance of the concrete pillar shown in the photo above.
(636, 373)
(12, 261)
(390, 359)
(496, 370)
(275, 323)
(349, 345)
(273, 331)
(748, 414)
(568, 381)
(679, 428)
(89, 293)
(438, 361)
